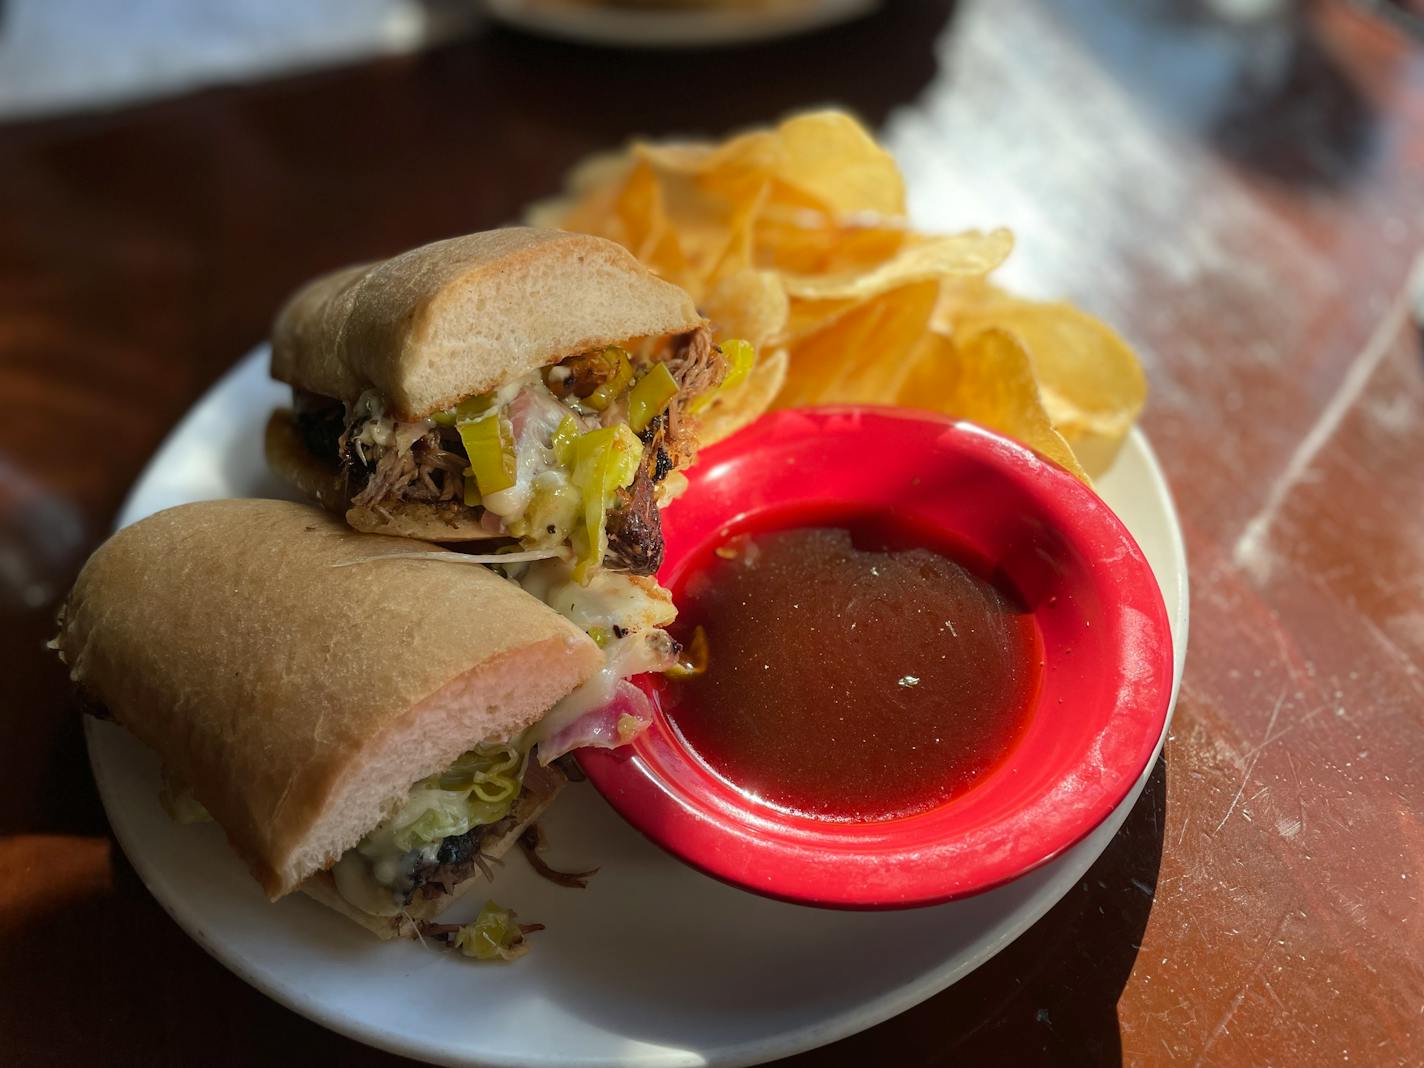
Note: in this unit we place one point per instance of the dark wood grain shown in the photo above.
(1246, 202)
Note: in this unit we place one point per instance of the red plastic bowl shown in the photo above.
(1107, 675)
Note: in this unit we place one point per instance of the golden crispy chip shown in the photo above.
(764, 197)
(971, 254)
(864, 355)
(831, 157)
(1092, 385)
(738, 252)
(598, 171)
(793, 237)
(714, 207)
(589, 194)
(823, 159)
(740, 405)
(714, 228)
(756, 150)
(803, 242)
(988, 380)
(681, 157)
(644, 224)
(818, 302)
(805, 317)
(749, 304)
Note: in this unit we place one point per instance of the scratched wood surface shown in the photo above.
(1245, 200)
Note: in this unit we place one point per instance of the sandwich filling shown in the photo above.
(438, 836)
(573, 459)
(565, 469)
(432, 842)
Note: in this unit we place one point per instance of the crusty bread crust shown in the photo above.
(299, 697)
(288, 455)
(447, 521)
(541, 786)
(459, 317)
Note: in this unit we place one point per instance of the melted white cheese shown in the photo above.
(645, 650)
(610, 599)
(369, 875)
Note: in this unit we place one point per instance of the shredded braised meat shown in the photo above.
(635, 533)
(458, 857)
(697, 366)
(385, 460)
(531, 841)
(584, 374)
(456, 860)
(426, 471)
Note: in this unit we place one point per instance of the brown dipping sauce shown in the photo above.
(853, 673)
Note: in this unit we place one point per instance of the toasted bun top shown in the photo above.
(298, 699)
(460, 317)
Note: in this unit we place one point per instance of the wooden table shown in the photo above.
(1245, 202)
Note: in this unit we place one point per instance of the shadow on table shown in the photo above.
(871, 65)
(266, 185)
(1051, 997)
(99, 951)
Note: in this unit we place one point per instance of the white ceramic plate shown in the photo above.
(687, 28)
(653, 964)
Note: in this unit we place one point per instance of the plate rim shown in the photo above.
(690, 28)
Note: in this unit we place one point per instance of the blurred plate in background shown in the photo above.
(675, 26)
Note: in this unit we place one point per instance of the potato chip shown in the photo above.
(748, 304)
(737, 254)
(714, 226)
(822, 165)
(830, 156)
(590, 192)
(946, 259)
(644, 224)
(797, 241)
(971, 254)
(1092, 385)
(740, 405)
(864, 355)
(987, 380)
(805, 317)
(825, 156)
(756, 150)
(794, 237)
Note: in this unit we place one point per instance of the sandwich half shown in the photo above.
(355, 716)
(430, 389)
(529, 394)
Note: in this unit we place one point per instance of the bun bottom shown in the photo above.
(541, 786)
(444, 522)
(288, 456)
(318, 480)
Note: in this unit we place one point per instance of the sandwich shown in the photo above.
(528, 395)
(472, 389)
(356, 717)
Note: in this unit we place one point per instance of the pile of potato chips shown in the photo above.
(795, 238)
